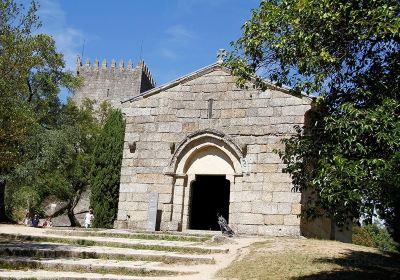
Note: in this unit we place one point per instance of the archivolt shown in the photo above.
(199, 140)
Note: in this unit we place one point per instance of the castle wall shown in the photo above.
(113, 83)
(261, 201)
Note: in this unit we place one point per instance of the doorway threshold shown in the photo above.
(202, 232)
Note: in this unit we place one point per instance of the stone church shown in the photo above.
(200, 146)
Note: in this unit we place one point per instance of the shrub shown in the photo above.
(374, 236)
(105, 171)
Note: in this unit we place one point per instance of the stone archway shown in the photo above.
(196, 160)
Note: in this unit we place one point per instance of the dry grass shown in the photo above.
(285, 258)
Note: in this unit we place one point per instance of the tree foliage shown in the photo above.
(55, 162)
(347, 53)
(45, 146)
(105, 171)
(31, 74)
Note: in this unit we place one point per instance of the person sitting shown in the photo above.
(35, 221)
(48, 223)
(27, 220)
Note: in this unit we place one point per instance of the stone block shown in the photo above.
(291, 220)
(142, 206)
(125, 179)
(139, 197)
(284, 208)
(295, 110)
(267, 197)
(293, 101)
(134, 187)
(264, 207)
(164, 198)
(278, 102)
(252, 112)
(137, 215)
(240, 207)
(279, 230)
(170, 127)
(249, 219)
(162, 188)
(265, 112)
(167, 207)
(273, 219)
(169, 226)
(247, 229)
(286, 197)
(155, 178)
(279, 178)
(140, 112)
(121, 215)
(248, 196)
(266, 168)
(189, 127)
(277, 112)
(178, 191)
(296, 208)
(233, 113)
(122, 197)
(269, 158)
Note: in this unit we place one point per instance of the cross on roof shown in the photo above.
(221, 54)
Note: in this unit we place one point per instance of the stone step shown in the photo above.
(66, 275)
(173, 236)
(161, 245)
(132, 268)
(53, 250)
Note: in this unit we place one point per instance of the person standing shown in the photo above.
(89, 218)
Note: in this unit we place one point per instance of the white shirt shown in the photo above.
(88, 218)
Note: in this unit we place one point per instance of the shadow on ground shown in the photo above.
(359, 265)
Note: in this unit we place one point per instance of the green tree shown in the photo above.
(106, 169)
(31, 75)
(56, 162)
(347, 53)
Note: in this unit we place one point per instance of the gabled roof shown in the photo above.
(196, 74)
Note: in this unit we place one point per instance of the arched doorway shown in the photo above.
(204, 165)
(210, 191)
(209, 197)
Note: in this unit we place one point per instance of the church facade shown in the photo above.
(200, 146)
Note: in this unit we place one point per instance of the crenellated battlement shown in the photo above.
(112, 81)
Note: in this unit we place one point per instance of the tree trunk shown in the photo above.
(2, 203)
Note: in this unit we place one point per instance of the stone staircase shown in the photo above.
(55, 253)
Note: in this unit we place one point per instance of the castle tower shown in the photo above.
(113, 83)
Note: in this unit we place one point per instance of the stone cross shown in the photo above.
(221, 54)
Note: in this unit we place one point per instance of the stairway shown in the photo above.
(67, 253)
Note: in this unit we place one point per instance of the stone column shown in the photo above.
(186, 201)
(234, 204)
(177, 206)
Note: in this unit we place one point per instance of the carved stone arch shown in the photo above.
(200, 140)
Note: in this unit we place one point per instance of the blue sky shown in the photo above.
(176, 36)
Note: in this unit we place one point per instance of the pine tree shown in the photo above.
(105, 171)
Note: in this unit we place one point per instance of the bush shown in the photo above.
(105, 171)
(374, 236)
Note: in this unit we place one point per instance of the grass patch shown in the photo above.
(312, 259)
(147, 236)
(93, 255)
(116, 271)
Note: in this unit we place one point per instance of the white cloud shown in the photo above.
(179, 33)
(69, 41)
(167, 53)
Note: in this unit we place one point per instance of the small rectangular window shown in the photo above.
(210, 108)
